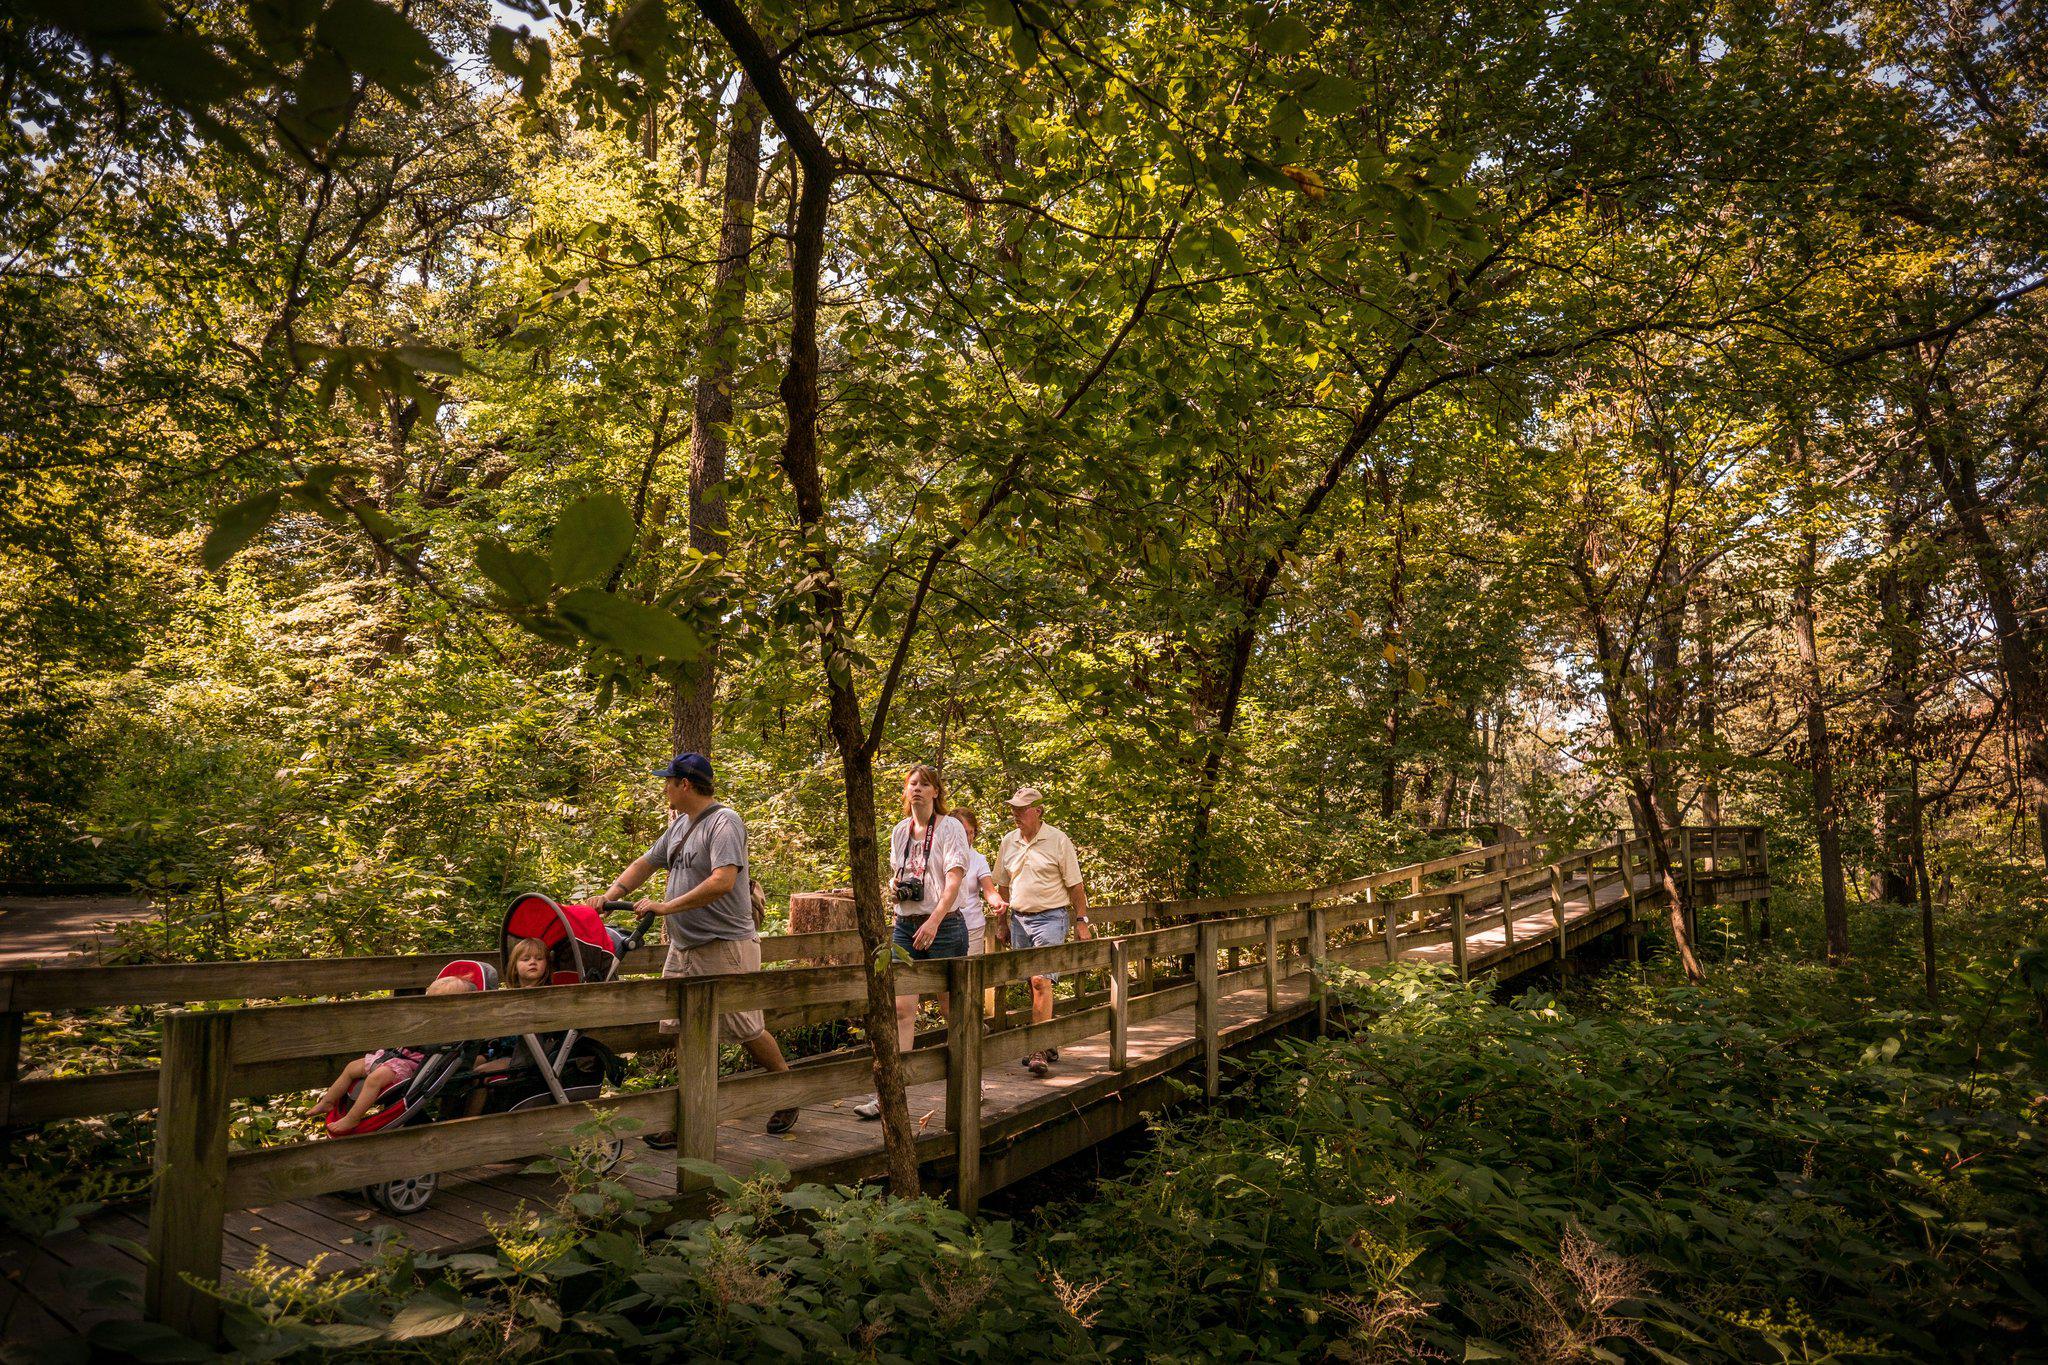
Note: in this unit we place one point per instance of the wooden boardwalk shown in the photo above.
(1112, 1070)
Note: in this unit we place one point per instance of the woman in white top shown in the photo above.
(978, 895)
(927, 864)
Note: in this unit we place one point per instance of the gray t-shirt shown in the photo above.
(722, 843)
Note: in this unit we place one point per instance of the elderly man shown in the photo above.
(1039, 876)
(708, 916)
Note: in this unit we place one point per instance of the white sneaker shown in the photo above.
(869, 1109)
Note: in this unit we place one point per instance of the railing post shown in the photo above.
(1145, 967)
(1415, 883)
(1685, 853)
(1205, 1007)
(1763, 863)
(1273, 963)
(1507, 912)
(1630, 930)
(963, 1075)
(1390, 930)
(1557, 908)
(190, 1201)
(10, 1049)
(1458, 934)
(696, 1079)
(1119, 1004)
(1318, 951)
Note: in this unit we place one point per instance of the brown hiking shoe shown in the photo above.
(664, 1141)
(1035, 1064)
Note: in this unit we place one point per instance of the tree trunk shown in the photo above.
(1392, 629)
(1666, 706)
(1706, 709)
(1639, 774)
(1901, 603)
(1922, 885)
(2020, 646)
(1820, 757)
(696, 692)
(827, 596)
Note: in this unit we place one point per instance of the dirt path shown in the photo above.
(61, 928)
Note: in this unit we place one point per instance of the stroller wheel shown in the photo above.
(409, 1195)
(611, 1154)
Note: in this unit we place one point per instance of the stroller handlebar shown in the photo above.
(639, 934)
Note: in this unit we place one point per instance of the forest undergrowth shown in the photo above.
(1789, 1162)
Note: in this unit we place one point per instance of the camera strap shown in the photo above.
(925, 857)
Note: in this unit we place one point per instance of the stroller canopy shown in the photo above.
(481, 976)
(581, 946)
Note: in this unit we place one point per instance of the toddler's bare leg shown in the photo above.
(374, 1084)
(350, 1074)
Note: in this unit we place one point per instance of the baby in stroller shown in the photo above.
(376, 1072)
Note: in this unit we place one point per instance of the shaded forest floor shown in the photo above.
(1788, 1162)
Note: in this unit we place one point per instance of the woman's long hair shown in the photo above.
(931, 775)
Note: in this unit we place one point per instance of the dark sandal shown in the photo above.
(781, 1121)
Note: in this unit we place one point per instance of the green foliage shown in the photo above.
(1749, 1170)
(777, 1274)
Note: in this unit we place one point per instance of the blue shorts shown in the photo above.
(1038, 929)
(951, 940)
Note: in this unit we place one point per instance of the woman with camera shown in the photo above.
(928, 855)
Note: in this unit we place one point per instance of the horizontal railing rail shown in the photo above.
(54, 989)
(212, 1056)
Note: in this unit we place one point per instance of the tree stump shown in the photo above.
(822, 912)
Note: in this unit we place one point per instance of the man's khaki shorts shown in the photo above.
(720, 957)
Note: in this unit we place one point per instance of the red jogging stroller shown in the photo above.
(560, 1068)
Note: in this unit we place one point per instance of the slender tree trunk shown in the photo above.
(2021, 649)
(1921, 883)
(1393, 628)
(696, 693)
(1666, 707)
(1639, 774)
(799, 389)
(1820, 756)
(1901, 603)
(1706, 708)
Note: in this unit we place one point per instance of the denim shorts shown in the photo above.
(951, 940)
(1038, 929)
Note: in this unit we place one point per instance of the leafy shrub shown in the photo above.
(1669, 1178)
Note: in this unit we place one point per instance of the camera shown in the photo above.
(909, 889)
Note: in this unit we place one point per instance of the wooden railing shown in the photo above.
(212, 1056)
(25, 1103)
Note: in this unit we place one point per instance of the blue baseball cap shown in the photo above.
(686, 765)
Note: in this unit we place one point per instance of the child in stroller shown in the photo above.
(541, 942)
(370, 1075)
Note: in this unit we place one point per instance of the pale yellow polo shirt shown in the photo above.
(1035, 876)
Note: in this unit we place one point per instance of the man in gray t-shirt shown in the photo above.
(708, 912)
(693, 848)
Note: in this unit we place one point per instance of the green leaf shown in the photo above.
(432, 359)
(630, 627)
(145, 1341)
(590, 539)
(239, 525)
(378, 41)
(520, 574)
(1331, 96)
(1285, 36)
(426, 1315)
